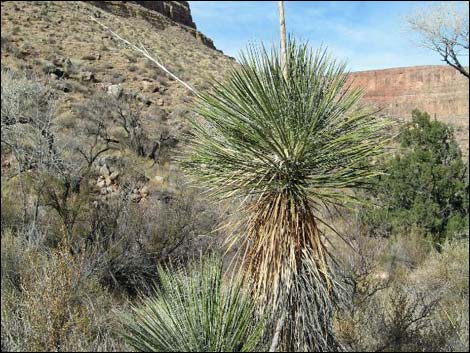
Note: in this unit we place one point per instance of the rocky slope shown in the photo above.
(159, 14)
(60, 43)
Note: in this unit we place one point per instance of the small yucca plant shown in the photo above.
(195, 311)
(286, 144)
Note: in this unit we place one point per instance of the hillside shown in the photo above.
(59, 42)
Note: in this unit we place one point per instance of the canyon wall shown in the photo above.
(439, 90)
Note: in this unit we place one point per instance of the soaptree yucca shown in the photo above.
(195, 310)
(286, 144)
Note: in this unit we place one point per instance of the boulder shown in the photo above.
(115, 91)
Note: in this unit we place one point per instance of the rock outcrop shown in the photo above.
(441, 91)
(159, 14)
(177, 11)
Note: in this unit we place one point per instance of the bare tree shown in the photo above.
(443, 28)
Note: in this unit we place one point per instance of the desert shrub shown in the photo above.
(56, 307)
(57, 181)
(13, 256)
(406, 324)
(13, 253)
(121, 123)
(11, 211)
(407, 250)
(195, 310)
(29, 138)
(426, 186)
(6, 43)
(445, 274)
(61, 307)
(127, 239)
(401, 305)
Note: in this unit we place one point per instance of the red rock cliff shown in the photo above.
(439, 90)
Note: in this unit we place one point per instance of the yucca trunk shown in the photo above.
(283, 236)
(281, 231)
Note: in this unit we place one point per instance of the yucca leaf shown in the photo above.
(195, 311)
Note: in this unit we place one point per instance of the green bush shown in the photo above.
(426, 186)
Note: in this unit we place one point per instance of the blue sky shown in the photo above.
(368, 34)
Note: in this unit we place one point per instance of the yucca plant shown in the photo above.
(195, 311)
(286, 145)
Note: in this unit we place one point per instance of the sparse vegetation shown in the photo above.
(80, 225)
(106, 245)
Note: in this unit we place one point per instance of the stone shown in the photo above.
(104, 171)
(129, 95)
(91, 57)
(144, 99)
(144, 190)
(157, 180)
(115, 91)
(59, 72)
(135, 197)
(63, 86)
(149, 87)
(114, 175)
(67, 64)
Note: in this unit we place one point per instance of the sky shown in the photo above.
(367, 34)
